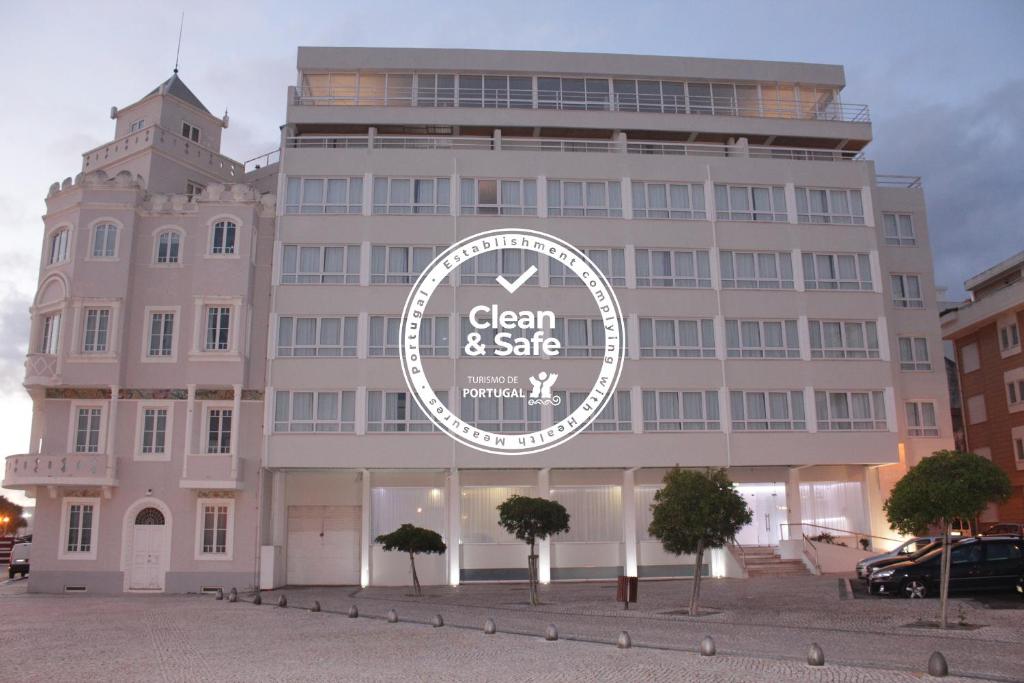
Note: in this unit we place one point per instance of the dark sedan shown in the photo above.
(976, 564)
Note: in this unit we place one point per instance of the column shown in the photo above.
(112, 430)
(190, 405)
(629, 542)
(364, 536)
(454, 527)
(236, 418)
(544, 549)
(793, 514)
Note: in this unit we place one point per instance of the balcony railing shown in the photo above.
(262, 161)
(212, 471)
(908, 181)
(385, 142)
(171, 143)
(564, 100)
(42, 368)
(71, 469)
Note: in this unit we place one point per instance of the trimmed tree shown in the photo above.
(414, 540)
(530, 519)
(15, 515)
(939, 489)
(696, 510)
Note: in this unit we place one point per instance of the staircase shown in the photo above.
(764, 560)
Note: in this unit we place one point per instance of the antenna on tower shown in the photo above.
(177, 55)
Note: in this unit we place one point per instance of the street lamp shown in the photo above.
(5, 519)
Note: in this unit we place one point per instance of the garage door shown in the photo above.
(323, 545)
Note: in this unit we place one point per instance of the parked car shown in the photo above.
(902, 552)
(1004, 529)
(976, 564)
(18, 563)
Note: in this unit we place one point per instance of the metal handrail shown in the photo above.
(908, 181)
(814, 550)
(846, 532)
(263, 160)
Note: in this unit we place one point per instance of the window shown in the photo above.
(677, 338)
(168, 245)
(510, 263)
(674, 411)
(837, 271)
(1009, 337)
(399, 265)
(498, 197)
(218, 430)
(572, 93)
(829, 206)
(1015, 393)
(614, 417)
(161, 334)
(59, 243)
(397, 411)
(104, 240)
(411, 195)
(668, 200)
(914, 353)
(1018, 447)
(393, 506)
(969, 358)
(136, 125)
(97, 330)
(215, 518)
(324, 195)
(580, 336)
(87, 429)
(309, 337)
(438, 90)
(976, 410)
(652, 96)
(489, 91)
(664, 268)
(899, 230)
(850, 410)
(320, 265)
(49, 342)
(584, 198)
(921, 418)
(906, 291)
(747, 203)
(315, 411)
(772, 411)
(612, 263)
(479, 506)
(762, 339)
(189, 132)
(154, 431)
(79, 522)
(757, 270)
(502, 415)
(843, 339)
(434, 336)
(384, 335)
(218, 328)
(193, 189)
(223, 238)
(595, 511)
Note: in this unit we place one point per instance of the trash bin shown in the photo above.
(626, 590)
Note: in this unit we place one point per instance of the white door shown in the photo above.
(145, 568)
(767, 503)
(323, 545)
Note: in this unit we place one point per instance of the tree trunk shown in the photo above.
(944, 586)
(695, 595)
(415, 579)
(532, 574)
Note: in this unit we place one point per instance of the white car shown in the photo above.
(19, 559)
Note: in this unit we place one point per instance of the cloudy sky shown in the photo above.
(944, 80)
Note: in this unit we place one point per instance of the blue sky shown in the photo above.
(944, 80)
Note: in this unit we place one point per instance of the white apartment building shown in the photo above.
(777, 295)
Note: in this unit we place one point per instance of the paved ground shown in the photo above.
(196, 638)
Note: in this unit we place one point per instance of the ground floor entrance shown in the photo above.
(323, 545)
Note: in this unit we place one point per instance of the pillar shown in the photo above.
(364, 535)
(629, 542)
(544, 550)
(454, 527)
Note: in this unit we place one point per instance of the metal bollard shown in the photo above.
(282, 601)
(437, 621)
(551, 633)
(315, 607)
(815, 656)
(707, 647)
(489, 627)
(258, 599)
(353, 612)
(624, 641)
(937, 665)
(392, 616)
(233, 595)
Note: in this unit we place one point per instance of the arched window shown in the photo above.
(149, 517)
(104, 240)
(167, 247)
(223, 238)
(59, 242)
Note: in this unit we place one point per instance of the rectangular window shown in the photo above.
(829, 206)
(434, 336)
(399, 265)
(1018, 449)
(757, 270)
(850, 410)
(554, 92)
(315, 265)
(154, 431)
(411, 195)
(595, 511)
(509, 263)
(837, 271)
(324, 195)
(104, 241)
(161, 334)
(1009, 337)
(168, 246)
(612, 263)
(970, 359)
(393, 506)
(504, 415)
(59, 244)
(921, 418)
(79, 526)
(906, 291)
(87, 430)
(914, 353)
(215, 529)
(189, 132)
(385, 332)
(97, 330)
(1015, 393)
(899, 230)
(670, 268)
(675, 411)
(498, 197)
(310, 337)
(435, 90)
(49, 341)
(585, 198)
(750, 203)
(614, 417)
(771, 411)
(479, 507)
(193, 189)
(218, 430)
(580, 336)
(218, 328)
(762, 339)
(223, 238)
(844, 339)
(397, 411)
(136, 125)
(315, 411)
(677, 338)
(668, 200)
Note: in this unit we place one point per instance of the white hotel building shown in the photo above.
(778, 298)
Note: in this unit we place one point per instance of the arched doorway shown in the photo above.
(147, 557)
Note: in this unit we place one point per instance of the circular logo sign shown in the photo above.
(494, 331)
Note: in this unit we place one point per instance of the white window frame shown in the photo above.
(682, 422)
(745, 203)
(107, 226)
(476, 277)
(530, 422)
(470, 204)
(782, 263)
(226, 224)
(316, 425)
(790, 422)
(1013, 380)
(101, 437)
(49, 332)
(409, 424)
(666, 196)
(385, 204)
(898, 229)
(430, 347)
(914, 413)
(229, 531)
(107, 333)
(699, 261)
(612, 207)
(214, 344)
(140, 427)
(191, 132)
(814, 279)
(1008, 331)
(906, 301)
(831, 215)
(160, 232)
(58, 246)
(194, 188)
(915, 362)
(150, 311)
(614, 418)
(789, 329)
(614, 271)
(136, 125)
(351, 192)
(65, 523)
(407, 276)
(705, 334)
(1017, 446)
(827, 423)
(868, 331)
(348, 275)
(208, 408)
(289, 348)
(594, 330)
